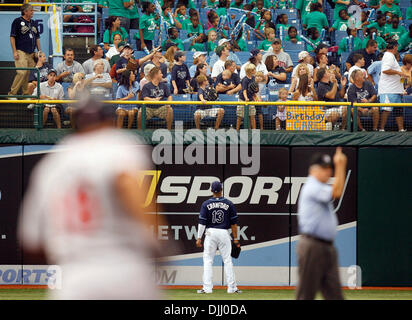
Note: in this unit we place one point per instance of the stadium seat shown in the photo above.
(407, 23)
(139, 54)
(230, 111)
(203, 17)
(339, 35)
(189, 58)
(132, 40)
(291, 13)
(66, 86)
(290, 46)
(183, 112)
(243, 56)
(294, 56)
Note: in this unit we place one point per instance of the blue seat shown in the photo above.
(339, 35)
(343, 57)
(66, 86)
(132, 40)
(291, 13)
(243, 56)
(189, 58)
(203, 16)
(183, 112)
(406, 24)
(294, 55)
(229, 117)
(139, 54)
(298, 46)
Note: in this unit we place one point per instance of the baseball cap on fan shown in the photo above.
(222, 42)
(216, 187)
(302, 55)
(321, 159)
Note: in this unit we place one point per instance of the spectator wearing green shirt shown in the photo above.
(222, 8)
(238, 4)
(198, 43)
(282, 24)
(369, 36)
(389, 6)
(374, 4)
(194, 27)
(173, 34)
(316, 18)
(169, 18)
(283, 4)
(394, 30)
(147, 25)
(119, 9)
(259, 7)
(293, 35)
(379, 24)
(267, 4)
(314, 38)
(342, 23)
(405, 41)
(112, 28)
(357, 43)
(269, 37)
(339, 5)
(133, 14)
(409, 13)
(181, 15)
(303, 7)
(265, 22)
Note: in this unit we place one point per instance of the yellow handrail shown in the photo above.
(234, 103)
(55, 29)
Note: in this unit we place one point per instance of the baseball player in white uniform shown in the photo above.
(217, 215)
(83, 209)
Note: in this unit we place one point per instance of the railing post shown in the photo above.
(143, 124)
(246, 116)
(348, 117)
(355, 118)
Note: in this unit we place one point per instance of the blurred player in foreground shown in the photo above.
(217, 215)
(317, 256)
(83, 209)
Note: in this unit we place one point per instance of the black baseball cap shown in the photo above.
(52, 70)
(216, 187)
(322, 159)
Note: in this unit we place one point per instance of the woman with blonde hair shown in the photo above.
(75, 91)
(170, 56)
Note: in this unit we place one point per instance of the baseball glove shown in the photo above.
(235, 250)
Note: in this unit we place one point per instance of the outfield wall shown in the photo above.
(374, 215)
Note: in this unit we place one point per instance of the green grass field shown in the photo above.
(190, 294)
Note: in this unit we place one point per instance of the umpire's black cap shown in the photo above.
(322, 159)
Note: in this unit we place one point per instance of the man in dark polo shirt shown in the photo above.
(24, 38)
(369, 53)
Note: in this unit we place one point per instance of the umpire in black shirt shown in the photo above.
(24, 38)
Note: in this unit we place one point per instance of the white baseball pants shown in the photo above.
(217, 239)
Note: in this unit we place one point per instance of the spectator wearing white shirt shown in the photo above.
(101, 83)
(219, 66)
(390, 88)
(51, 90)
(305, 58)
(116, 48)
(285, 61)
(68, 67)
(256, 59)
(359, 63)
(97, 53)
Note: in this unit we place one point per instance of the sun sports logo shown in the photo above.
(188, 189)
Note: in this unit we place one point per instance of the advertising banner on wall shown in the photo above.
(266, 203)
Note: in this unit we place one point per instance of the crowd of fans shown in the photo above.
(371, 73)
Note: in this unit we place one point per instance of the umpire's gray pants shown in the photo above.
(318, 270)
